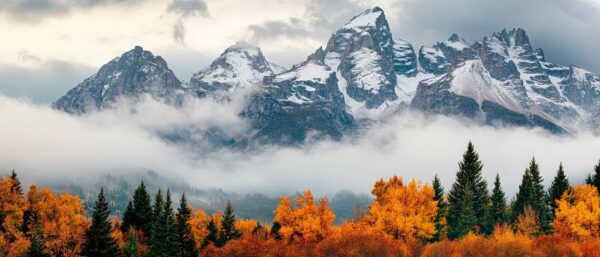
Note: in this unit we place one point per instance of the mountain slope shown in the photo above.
(133, 74)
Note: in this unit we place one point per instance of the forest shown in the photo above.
(406, 218)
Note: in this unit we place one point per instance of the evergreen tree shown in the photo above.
(129, 217)
(158, 233)
(559, 185)
(172, 247)
(186, 239)
(499, 210)
(468, 178)
(594, 179)
(142, 210)
(99, 242)
(228, 231)
(213, 234)
(275, 228)
(36, 247)
(531, 193)
(442, 206)
(16, 187)
(131, 248)
(466, 219)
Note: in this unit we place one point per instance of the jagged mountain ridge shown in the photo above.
(364, 74)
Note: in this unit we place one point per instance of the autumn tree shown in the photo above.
(468, 178)
(99, 242)
(307, 220)
(13, 241)
(36, 247)
(441, 228)
(578, 212)
(499, 209)
(184, 230)
(404, 211)
(559, 186)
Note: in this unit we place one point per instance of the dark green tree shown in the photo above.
(213, 234)
(531, 193)
(442, 206)
(157, 245)
(171, 238)
(36, 248)
(275, 228)
(129, 217)
(499, 210)
(594, 179)
(467, 219)
(131, 248)
(186, 239)
(142, 210)
(468, 178)
(16, 187)
(228, 231)
(559, 185)
(99, 242)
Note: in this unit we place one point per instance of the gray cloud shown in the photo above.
(43, 81)
(185, 9)
(37, 10)
(293, 28)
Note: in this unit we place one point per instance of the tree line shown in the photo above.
(406, 218)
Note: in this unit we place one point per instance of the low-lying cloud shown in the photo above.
(42, 143)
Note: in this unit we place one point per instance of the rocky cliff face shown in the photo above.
(133, 74)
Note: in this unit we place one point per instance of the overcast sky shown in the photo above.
(49, 46)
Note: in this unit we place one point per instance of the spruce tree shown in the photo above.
(531, 193)
(36, 247)
(559, 185)
(172, 248)
(99, 242)
(129, 217)
(275, 228)
(213, 234)
(594, 179)
(131, 248)
(228, 231)
(16, 187)
(468, 178)
(186, 239)
(157, 245)
(142, 210)
(467, 218)
(442, 206)
(499, 210)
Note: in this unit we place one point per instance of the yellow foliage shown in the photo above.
(527, 222)
(246, 226)
(12, 241)
(578, 212)
(307, 219)
(404, 211)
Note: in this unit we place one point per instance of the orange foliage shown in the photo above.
(307, 220)
(198, 223)
(404, 211)
(527, 222)
(246, 226)
(12, 241)
(578, 213)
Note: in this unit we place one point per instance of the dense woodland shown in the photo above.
(406, 218)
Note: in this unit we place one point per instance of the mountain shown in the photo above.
(133, 74)
(241, 65)
(363, 75)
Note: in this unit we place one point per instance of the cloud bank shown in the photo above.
(41, 143)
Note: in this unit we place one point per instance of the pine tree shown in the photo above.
(131, 248)
(559, 185)
(442, 206)
(213, 234)
(158, 233)
(499, 210)
(99, 242)
(531, 193)
(594, 179)
(37, 248)
(467, 219)
(275, 228)
(468, 178)
(129, 217)
(228, 231)
(171, 238)
(16, 187)
(142, 211)
(186, 239)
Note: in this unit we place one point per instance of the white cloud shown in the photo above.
(41, 143)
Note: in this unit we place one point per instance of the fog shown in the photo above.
(42, 144)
